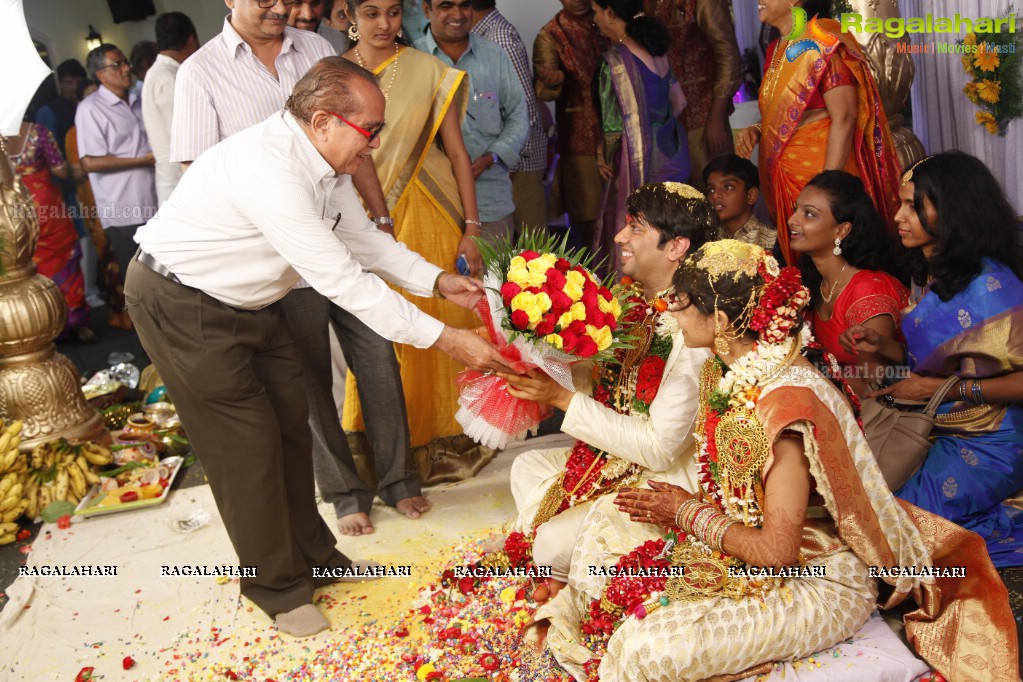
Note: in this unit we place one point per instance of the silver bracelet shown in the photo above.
(384, 220)
(477, 223)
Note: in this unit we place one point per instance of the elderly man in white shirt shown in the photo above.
(254, 214)
(177, 40)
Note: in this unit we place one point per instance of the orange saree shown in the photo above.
(790, 154)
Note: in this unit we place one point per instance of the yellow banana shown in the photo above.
(7, 482)
(7, 527)
(7, 460)
(97, 454)
(14, 428)
(77, 478)
(32, 508)
(38, 454)
(45, 497)
(15, 513)
(9, 502)
(63, 483)
(5, 440)
(90, 476)
(7, 539)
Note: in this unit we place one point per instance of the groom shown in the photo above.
(641, 416)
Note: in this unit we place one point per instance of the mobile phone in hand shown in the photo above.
(462, 265)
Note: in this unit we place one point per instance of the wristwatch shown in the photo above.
(437, 293)
(384, 220)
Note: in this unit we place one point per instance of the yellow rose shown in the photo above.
(523, 300)
(517, 262)
(576, 278)
(539, 265)
(535, 315)
(543, 301)
(508, 595)
(550, 258)
(573, 291)
(565, 320)
(616, 308)
(602, 337)
(425, 670)
(602, 305)
(519, 275)
(554, 340)
(537, 279)
(578, 311)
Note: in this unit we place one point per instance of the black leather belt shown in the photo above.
(151, 263)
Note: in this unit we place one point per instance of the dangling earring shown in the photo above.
(838, 247)
(353, 33)
(401, 33)
(721, 346)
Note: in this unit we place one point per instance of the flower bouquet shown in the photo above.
(544, 308)
(994, 66)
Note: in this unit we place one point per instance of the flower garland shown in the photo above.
(995, 71)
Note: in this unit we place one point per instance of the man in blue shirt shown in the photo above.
(497, 119)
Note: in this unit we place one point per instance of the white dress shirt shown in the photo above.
(158, 112)
(263, 208)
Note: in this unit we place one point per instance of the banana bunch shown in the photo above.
(13, 472)
(60, 470)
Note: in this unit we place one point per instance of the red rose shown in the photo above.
(605, 293)
(509, 291)
(594, 317)
(534, 290)
(560, 302)
(586, 347)
(467, 584)
(64, 522)
(589, 298)
(519, 319)
(648, 379)
(610, 321)
(602, 395)
(546, 325)
(529, 255)
(128, 662)
(578, 327)
(562, 265)
(589, 285)
(555, 278)
(85, 674)
(568, 340)
(489, 662)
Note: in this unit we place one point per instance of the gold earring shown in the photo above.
(721, 346)
(353, 33)
(401, 33)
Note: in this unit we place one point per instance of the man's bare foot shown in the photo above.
(413, 507)
(354, 524)
(547, 590)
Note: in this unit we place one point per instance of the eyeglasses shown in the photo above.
(116, 65)
(370, 135)
(267, 4)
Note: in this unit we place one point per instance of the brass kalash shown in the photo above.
(37, 384)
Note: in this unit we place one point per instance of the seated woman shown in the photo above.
(640, 417)
(963, 236)
(787, 483)
(845, 256)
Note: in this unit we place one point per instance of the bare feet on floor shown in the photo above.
(413, 507)
(355, 524)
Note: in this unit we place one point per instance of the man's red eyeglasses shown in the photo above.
(370, 135)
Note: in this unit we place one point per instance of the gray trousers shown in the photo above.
(236, 381)
(371, 359)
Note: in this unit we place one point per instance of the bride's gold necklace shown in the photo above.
(394, 69)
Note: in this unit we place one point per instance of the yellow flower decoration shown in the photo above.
(517, 262)
(616, 308)
(967, 61)
(970, 39)
(572, 290)
(508, 593)
(575, 277)
(988, 121)
(972, 91)
(519, 275)
(539, 265)
(543, 301)
(565, 320)
(578, 311)
(604, 306)
(986, 60)
(989, 90)
(425, 670)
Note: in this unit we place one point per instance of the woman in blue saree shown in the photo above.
(640, 102)
(965, 246)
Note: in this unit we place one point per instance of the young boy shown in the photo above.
(733, 187)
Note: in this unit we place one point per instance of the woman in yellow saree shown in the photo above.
(426, 176)
(820, 110)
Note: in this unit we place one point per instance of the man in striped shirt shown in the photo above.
(238, 79)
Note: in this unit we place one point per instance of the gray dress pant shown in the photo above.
(371, 359)
(236, 381)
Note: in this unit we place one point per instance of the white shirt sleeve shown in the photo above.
(285, 215)
(195, 126)
(655, 443)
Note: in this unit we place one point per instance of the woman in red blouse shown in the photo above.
(847, 256)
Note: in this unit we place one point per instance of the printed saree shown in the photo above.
(976, 462)
(790, 154)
